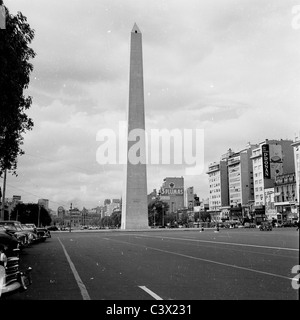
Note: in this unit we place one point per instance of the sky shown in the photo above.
(228, 68)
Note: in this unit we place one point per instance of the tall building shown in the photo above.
(189, 198)
(270, 159)
(135, 207)
(240, 177)
(218, 183)
(296, 147)
(172, 192)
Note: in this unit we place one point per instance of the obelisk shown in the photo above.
(134, 200)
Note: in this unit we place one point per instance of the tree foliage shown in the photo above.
(15, 54)
(156, 215)
(29, 213)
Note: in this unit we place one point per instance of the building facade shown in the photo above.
(240, 177)
(172, 192)
(270, 159)
(189, 198)
(285, 194)
(296, 147)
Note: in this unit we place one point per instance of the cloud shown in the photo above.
(229, 67)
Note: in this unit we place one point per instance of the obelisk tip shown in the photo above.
(135, 29)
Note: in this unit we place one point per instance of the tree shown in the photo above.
(116, 218)
(156, 215)
(14, 79)
(31, 213)
(106, 222)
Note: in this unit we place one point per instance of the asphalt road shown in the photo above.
(233, 264)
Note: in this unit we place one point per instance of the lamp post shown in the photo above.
(39, 213)
(163, 215)
(70, 216)
(154, 209)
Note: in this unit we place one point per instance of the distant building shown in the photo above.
(61, 212)
(152, 196)
(172, 192)
(115, 204)
(285, 197)
(189, 198)
(240, 177)
(296, 147)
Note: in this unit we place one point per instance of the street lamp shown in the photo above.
(70, 216)
(154, 209)
(163, 214)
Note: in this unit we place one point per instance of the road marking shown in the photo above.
(80, 284)
(152, 294)
(219, 242)
(206, 260)
(222, 263)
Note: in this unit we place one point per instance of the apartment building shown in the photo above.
(270, 159)
(240, 177)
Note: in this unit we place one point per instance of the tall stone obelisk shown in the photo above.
(134, 200)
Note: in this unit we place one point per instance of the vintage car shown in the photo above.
(12, 279)
(14, 228)
(42, 233)
(31, 233)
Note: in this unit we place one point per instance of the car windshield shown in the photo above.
(10, 227)
(30, 225)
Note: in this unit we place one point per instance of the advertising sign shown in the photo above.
(276, 166)
(172, 191)
(266, 161)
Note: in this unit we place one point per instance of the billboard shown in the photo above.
(266, 161)
(276, 161)
(172, 191)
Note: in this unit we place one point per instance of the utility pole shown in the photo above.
(3, 196)
(39, 213)
(70, 216)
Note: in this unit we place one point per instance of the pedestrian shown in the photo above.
(298, 225)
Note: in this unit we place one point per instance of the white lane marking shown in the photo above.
(206, 260)
(152, 294)
(222, 264)
(219, 242)
(80, 284)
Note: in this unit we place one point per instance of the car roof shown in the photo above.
(9, 222)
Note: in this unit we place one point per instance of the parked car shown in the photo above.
(31, 233)
(42, 233)
(12, 279)
(14, 228)
(10, 241)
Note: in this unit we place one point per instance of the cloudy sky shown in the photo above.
(227, 67)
